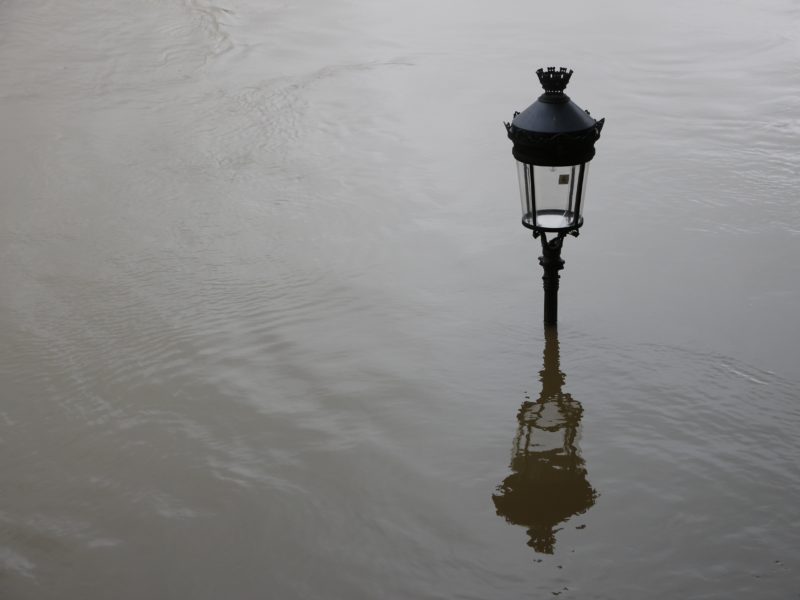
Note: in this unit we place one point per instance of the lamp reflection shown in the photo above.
(548, 482)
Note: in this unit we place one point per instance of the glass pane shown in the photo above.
(525, 174)
(555, 189)
(582, 195)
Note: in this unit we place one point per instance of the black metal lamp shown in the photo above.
(553, 144)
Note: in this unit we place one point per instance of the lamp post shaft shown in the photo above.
(552, 263)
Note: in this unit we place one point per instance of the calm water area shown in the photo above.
(270, 326)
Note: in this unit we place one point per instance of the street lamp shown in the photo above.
(553, 144)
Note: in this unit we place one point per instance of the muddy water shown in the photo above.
(270, 326)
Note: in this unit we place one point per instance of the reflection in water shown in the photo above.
(548, 483)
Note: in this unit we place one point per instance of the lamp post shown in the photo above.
(553, 144)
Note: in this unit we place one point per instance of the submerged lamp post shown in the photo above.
(553, 144)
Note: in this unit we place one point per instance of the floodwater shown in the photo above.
(270, 327)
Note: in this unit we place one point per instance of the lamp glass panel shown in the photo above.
(582, 192)
(525, 174)
(556, 195)
(552, 197)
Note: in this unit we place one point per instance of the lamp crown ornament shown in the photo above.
(554, 81)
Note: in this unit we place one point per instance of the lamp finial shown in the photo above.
(554, 81)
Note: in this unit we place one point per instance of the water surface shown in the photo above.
(271, 328)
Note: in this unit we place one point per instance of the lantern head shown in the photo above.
(553, 144)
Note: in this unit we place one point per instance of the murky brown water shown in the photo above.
(271, 328)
